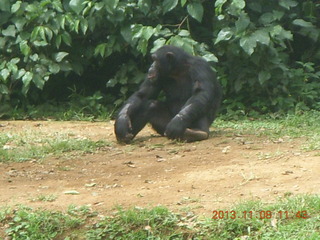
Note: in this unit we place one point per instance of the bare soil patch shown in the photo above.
(202, 176)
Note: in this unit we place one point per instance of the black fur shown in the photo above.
(192, 98)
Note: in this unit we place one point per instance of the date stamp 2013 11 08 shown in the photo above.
(220, 214)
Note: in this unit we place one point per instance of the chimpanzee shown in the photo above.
(192, 97)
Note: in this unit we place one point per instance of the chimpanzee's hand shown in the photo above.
(123, 129)
(175, 128)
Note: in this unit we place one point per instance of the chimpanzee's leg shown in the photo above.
(159, 116)
(198, 131)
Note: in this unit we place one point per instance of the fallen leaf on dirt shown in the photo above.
(130, 164)
(71, 192)
(90, 184)
(226, 149)
(274, 223)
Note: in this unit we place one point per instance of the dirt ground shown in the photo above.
(202, 176)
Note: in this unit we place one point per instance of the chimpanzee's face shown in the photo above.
(163, 63)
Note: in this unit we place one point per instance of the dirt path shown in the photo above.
(202, 176)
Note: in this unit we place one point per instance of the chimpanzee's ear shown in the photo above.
(170, 56)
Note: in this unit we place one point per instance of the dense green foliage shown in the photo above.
(266, 52)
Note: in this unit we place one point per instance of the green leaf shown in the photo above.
(84, 26)
(38, 81)
(261, 36)
(183, 2)
(19, 23)
(148, 32)
(19, 74)
(2, 42)
(4, 89)
(34, 57)
(157, 44)
(35, 33)
(61, 19)
(60, 56)
(5, 74)
(224, 35)
(143, 46)
(111, 5)
(66, 37)
(100, 49)
(144, 32)
(266, 18)
(65, 66)
(58, 41)
(263, 77)
(278, 31)
(10, 31)
(255, 6)
(219, 3)
(54, 68)
(168, 5)
(239, 4)
(195, 10)
(210, 57)
(15, 7)
(15, 60)
(26, 79)
(12, 66)
(242, 23)
(144, 6)
(278, 14)
(111, 82)
(184, 33)
(302, 23)
(126, 33)
(42, 33)
(76, 25)
(5, 5)
(248, 44)
(48, 33)
(77, 5)
(33, 8)
(288, 3)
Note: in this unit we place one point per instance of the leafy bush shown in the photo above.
(268, 51)
(265, 64)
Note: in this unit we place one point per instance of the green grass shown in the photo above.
(23, 146)
(306, 126)
(44, 198)
(27, 223)
(299, 219)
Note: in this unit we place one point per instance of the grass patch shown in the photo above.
(26, 223)
(24, 146)
(306, 125)
(299, 219)
(44, 198)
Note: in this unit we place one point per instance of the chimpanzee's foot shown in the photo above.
(192, 135)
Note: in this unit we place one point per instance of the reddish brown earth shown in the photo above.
(202, 176)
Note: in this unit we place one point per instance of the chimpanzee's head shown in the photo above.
(166, 60)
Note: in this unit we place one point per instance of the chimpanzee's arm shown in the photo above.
(198, 104)
(133, 115)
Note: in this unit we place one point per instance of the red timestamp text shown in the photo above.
(220, 214)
